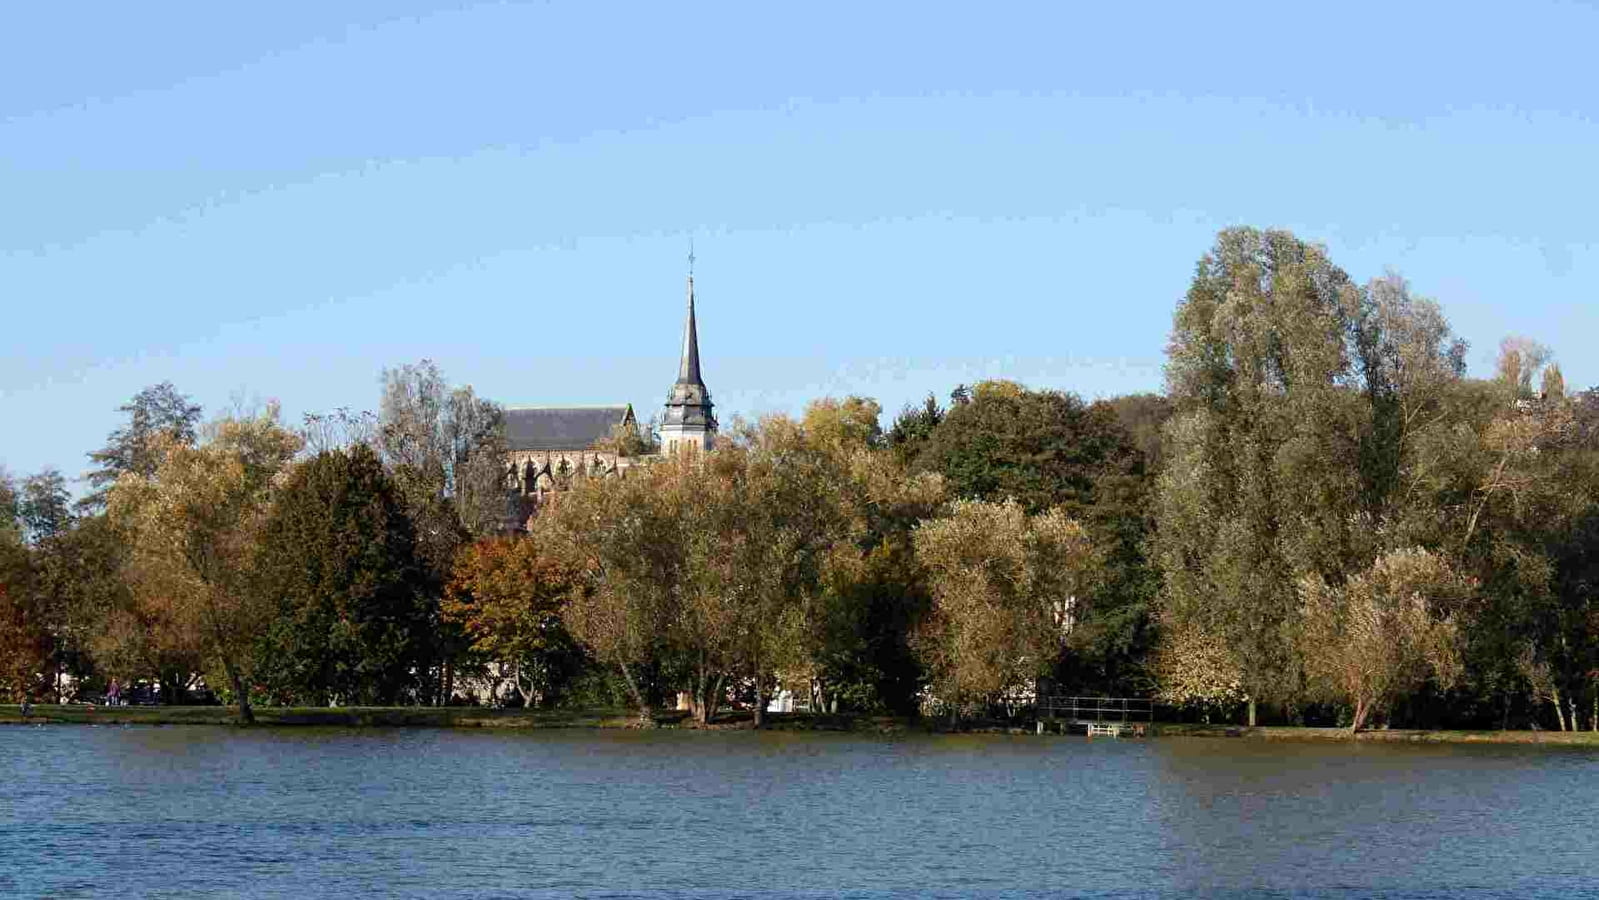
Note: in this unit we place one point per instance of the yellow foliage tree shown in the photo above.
(191, 527)
(1003, 585)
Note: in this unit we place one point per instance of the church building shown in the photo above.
(546, 445)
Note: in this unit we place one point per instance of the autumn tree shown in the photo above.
(763, 531)
(336, 566)
(707, 565)
(444, 448)
(623, 539)
(191, 525)
(628, 441)
(24, 639)
(1003, 585)
(509, 596)
(1383, 633)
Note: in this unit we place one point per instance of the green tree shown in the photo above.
(158, 411)
(45, 505)
(1262, 480)
(336, 564)
(1050, 449)
(1043, 448)
(1143, 417)
(913, 428)
(45, 510)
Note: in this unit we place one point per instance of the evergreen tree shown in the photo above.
(337, 565)
(156, 411)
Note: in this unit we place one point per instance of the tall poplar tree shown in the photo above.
(1263, 480)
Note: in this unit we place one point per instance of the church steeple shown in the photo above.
(688, 371)
(689, 419)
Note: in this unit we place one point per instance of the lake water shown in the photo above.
(146, 811)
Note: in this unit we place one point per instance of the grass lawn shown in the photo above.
(470, 717)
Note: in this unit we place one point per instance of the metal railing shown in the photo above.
(1127, 710)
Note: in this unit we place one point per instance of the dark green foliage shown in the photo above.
(157, 410)
(45, 505)
(1143, 417)
(914, 427)
(1050, 449)
(1044, 448)
(338, 560)
(865, 657)
(10, 509)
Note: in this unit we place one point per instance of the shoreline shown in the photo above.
(471, 717)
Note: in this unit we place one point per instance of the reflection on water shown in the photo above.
(186, 811)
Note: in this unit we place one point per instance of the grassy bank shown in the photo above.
(469, 717)
(1398, 735)
(350, 716)
(428, 717)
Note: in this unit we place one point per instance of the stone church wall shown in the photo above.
(535, 471)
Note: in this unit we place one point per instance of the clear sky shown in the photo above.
(278, 200)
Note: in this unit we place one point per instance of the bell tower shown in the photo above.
(689, 422)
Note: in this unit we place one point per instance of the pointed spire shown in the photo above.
(688, 371)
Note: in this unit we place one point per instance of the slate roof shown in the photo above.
(561, 428)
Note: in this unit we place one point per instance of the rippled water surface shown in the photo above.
(145, 811)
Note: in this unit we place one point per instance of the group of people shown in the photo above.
(113, 697)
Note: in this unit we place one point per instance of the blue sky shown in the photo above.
(279, 201)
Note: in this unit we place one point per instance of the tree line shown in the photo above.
(1322, 519)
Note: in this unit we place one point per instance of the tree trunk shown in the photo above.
(713, 700)
(644, 712)
(1251, 703)
(1362, 710)
(1560, 713)
(760, 698)
(246, 714)
(528, 695)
